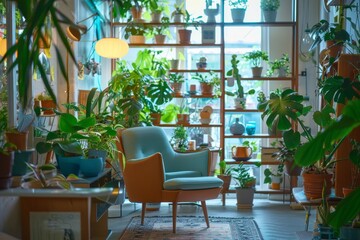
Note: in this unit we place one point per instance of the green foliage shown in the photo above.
(242, 176)
(137, 29)
(324, 31)
(238, 4)
(261, 97)
(179, 139)
(252, 144)
(268, 172)
(269, 5)
(339, 89)
(179, 9)
(191, 21)
(283, 62)
(224, 168)
(176, 78)
(255, 57)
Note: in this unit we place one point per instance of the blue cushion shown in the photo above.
(182, 174)
(192, 183)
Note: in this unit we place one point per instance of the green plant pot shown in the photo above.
(21, 158)
(69, 165)
(91, 167)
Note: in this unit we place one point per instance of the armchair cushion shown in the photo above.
(192, 183)
(179, 174)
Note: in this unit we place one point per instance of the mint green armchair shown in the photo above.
(154, 172)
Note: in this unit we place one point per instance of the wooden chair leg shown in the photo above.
(204, 208)
(174, 214)
(143, 209)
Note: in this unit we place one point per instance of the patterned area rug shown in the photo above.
(194, 228)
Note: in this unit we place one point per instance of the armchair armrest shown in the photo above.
(194, 161)
(144, 178)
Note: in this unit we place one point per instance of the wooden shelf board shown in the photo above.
(266, 78)
(194, 70)
(236, 110)
(175, 45)
(250, 162)
(250, 136)
(190, 125)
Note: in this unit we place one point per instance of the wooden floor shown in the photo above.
(275, 219)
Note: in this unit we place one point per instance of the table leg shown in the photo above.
(307, 217)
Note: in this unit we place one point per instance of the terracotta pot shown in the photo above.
(155, 118)
(182, 118)
(156, 17)
(275, 186)
(177, 88)
(19, 139)
(334, 48)
(160, 39)
(313, 185)
(136, 13)
(347, 191)
(226, 179)
(184, 36)
(292, 169)
(206, 89)
(137, 39)
(6, 164)
(49, 105)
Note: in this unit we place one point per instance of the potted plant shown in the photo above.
(156, 10)
(255, 58)
(176, 80)
(211, 12)
(183, 112)
(286, 156)
(240, 100)
(185, 33)
(201, 64)
(274, 176)
(238, 9)
(209, 83)
(225, 175)
(245, 189)
(45, 103)
(280, 65)
(355, 168)
(66, 142)
(179, 139)
(261, 98)
(333, 34)
(174, 62)
(135, 32)
(162, 31)
(269, 9)
(178, 13)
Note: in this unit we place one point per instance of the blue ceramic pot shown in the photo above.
(91, 167)
(250, 128)
(69, 165)
(21, 158)
(95, 153)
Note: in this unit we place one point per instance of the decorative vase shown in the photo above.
(20, 159)
(184, 36)
(269, 15)
(91, 167)
(314, 183)
(237, 128)
(238, 15)
(250, 128)
(211, 13)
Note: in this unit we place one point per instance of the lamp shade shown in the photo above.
(112, 47)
